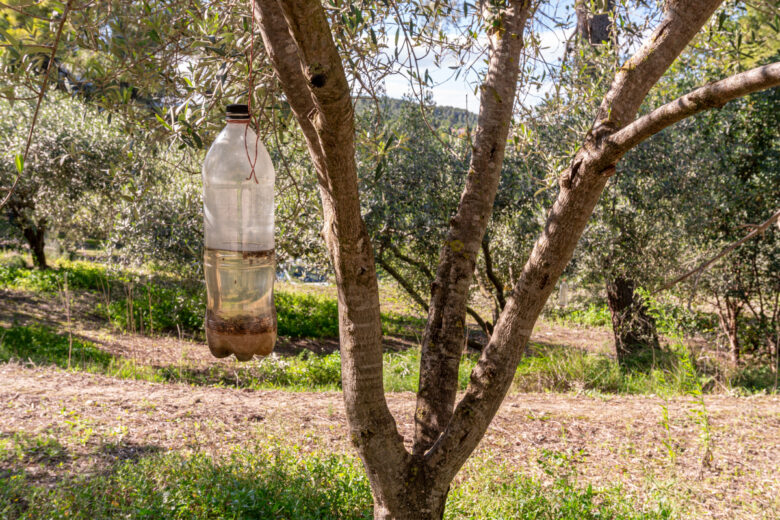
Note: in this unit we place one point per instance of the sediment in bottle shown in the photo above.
(244, 336)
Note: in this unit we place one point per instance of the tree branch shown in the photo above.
(682, 21)
(444, 337)
(726, 250)
(492, 276)
(580, 187)
(486, 327)
(302, 51)
(283, 54)
(403, 282)
(714, 95)
(413, 262)
(45, 83)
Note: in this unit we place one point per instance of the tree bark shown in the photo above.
(728, 316)
(301, 49)
(633, 328)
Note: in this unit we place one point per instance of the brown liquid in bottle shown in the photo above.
(240, 313)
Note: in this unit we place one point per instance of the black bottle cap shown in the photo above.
(237, 112)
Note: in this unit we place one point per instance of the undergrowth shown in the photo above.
(275, 481)
(669, 371)
(307, 371)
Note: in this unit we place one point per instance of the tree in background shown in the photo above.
(642, 228)
(741, 166)
(75, 168)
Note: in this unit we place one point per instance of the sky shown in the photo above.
(459, 92)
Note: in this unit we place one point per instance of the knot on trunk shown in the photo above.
(317, 75)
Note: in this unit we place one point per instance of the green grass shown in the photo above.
(561, 369)
(402, 370)
(493, 491)
(271, 482)
(549, 369)
(140, 302)
(304, 372)
(166, 304)
(670, 318)
(593, 315)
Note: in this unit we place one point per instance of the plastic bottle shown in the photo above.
(239, 259)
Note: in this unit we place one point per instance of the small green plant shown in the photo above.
(594, 315)
(671, 450)
(24, 449)
(700, 414)
(493, 491)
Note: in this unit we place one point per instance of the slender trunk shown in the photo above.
(35, 238)
(734, 345)
(728, 316)
(445, 331)
(633, 327)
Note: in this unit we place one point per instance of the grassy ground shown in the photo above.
(115, 313)
(120, 412)
(275, 481)
(67, 431)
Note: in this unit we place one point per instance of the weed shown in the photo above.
(671, 450)
(276, 481)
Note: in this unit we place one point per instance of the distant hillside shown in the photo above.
(439, 116)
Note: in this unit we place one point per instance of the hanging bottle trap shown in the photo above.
(239, 259)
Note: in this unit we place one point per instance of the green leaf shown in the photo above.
(161, 120)
(19, 161)
(9, 38)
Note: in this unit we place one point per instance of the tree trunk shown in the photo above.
(34, 235)
(445, 331)
(594, 28)
(420, 498)
(633, 327)
(728, 315)
(300, 46)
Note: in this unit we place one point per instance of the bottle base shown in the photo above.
(243, 337)
(244, 347)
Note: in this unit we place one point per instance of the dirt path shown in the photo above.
(99, 420)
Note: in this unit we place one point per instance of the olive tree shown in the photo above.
(74, 169)
(317, 57)
(300, 46)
